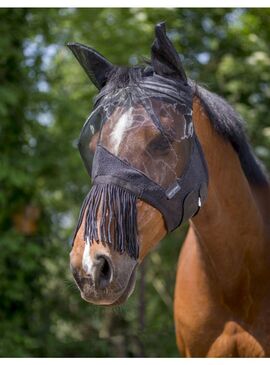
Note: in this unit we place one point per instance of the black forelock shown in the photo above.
(122, 76)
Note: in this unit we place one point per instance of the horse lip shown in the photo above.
(128, 289)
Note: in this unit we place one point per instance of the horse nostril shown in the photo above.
(103, 272)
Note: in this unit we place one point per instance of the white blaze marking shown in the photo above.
(86, 260)
(121, 126)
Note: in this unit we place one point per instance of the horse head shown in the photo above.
(146, 164)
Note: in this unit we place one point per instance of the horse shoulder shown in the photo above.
(203, 319)
(199, 317)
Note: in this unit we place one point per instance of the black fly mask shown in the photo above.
(139, 143)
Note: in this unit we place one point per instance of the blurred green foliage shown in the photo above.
(44, 100)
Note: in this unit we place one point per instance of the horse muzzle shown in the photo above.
(102, 279)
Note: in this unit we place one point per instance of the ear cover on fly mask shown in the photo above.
(165, 60)
(94, 64)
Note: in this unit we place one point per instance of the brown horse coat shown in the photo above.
(222, 292)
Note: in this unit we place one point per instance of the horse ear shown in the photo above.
(165, 60)
(93, 63)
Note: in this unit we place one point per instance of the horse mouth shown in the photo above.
(123, 296)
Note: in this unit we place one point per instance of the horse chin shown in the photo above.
(110, 299)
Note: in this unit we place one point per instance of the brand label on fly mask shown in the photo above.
(170, 193)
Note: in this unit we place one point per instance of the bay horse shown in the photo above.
(222, 291)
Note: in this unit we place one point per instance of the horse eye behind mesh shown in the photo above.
(159, 145)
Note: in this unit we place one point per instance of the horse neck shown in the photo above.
(229, 228)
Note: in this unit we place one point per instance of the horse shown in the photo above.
(222, 290)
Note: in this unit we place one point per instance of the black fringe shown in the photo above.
(118, 218)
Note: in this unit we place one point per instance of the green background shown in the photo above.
(44, 99)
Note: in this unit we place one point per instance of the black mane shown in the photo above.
(225, 120)
(229, 124)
